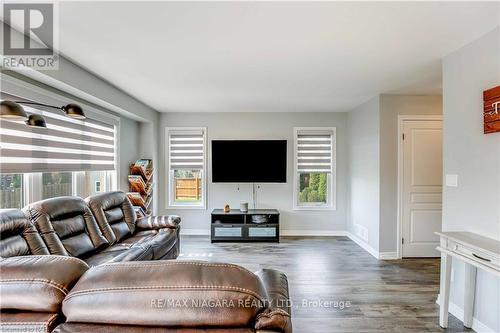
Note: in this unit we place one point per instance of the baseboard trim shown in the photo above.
(195, 232)
(298, 232)
(312, 233)
(367, 247)
(458, 312)
(388, 255)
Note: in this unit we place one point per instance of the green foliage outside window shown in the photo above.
(11, 193)
(313, 187)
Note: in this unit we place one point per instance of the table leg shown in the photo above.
(470, 290)
(444, 289)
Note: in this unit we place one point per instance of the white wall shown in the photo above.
(149, 148)
(475, 204)
(280, 196)
(129, 149)
(364, 181)
(75, 80)
(391, 106)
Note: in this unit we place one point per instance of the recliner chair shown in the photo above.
(18, 236)
(67, 226)
(121, 227)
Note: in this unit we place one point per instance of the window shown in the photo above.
(186, 163)
(18, 190)
(314, 178)
(11, 191)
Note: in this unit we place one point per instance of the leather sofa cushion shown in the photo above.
(144, 245)
(163, 242)
(166, 293)
(18, 236)
(136, 253)
(38, 283)
(160, 241)
(40, 322)
(103, 257)
(67, 226)
(121, 230)
(114, 213)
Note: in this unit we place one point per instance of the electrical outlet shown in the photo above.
(451, 180)
(361, 232)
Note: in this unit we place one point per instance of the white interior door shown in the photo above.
(422, 169)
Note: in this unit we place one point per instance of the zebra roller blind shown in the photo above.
(315, 150)
(66, 144)
(186, 149)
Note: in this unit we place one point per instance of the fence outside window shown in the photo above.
(187, 189)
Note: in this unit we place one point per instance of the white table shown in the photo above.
(477, 252)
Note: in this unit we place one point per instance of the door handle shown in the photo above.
(475, 255)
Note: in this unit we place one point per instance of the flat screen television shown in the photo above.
(249, 161)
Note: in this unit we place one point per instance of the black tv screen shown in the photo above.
(249, 161)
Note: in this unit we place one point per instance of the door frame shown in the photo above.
(401, 120)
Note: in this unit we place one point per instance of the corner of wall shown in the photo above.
(364, 164)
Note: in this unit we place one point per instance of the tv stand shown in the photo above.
(256, 225)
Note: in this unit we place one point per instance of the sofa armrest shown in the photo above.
(38, 283)
(158, 222)
(277, 316)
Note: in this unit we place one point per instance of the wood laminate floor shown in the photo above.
(384, 296)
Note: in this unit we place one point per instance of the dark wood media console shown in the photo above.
(238, 226)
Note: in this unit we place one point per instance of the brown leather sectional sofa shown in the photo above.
(101, 229)
(62, 294)
(69, 265)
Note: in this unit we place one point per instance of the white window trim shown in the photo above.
(332, 177)
(169, 173)
(32, 187)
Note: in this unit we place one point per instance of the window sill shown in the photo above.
(315, 208)
(182, 207)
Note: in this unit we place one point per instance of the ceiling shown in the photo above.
(268, 56)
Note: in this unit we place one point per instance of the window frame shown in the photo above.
(169, 174)
(331, 203)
